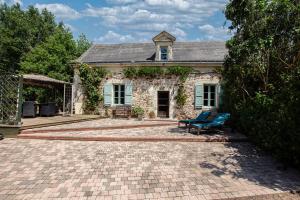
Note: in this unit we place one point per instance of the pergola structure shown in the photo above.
(45, 81)
(11, 89)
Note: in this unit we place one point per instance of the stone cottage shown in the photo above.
(156, 95)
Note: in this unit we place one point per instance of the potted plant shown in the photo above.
(138, 112)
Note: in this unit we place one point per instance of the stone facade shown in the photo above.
(203, 57)
(144, 93)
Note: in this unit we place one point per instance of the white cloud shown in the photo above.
(138, 17)
(179, 4)
(111, 38)
(214, 33)
(121, 1)
(11, 2)
(61, 11)
(69, 26)
(145, 18)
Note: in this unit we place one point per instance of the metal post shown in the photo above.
(72, 98)
(20, 100)
(64, 111)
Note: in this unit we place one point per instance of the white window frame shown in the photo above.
(119, 94)
(167, 53)
(209, 95)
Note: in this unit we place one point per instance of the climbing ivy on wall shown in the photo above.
(91, 78)
(153, 72)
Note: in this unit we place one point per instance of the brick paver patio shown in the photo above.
(40, 169)
(120, 130)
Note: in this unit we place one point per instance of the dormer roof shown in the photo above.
(164, 36)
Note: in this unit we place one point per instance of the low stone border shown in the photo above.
(136, 139)
(96, 128)
(60, 123)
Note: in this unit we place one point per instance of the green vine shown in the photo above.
(145, 72)
(182, 72)
(181, 96)
(153, 72)
(91, 78)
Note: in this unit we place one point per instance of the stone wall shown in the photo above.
(145, 92)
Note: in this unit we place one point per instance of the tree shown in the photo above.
(82, 44)
(52, 57)
(262, 74)
(21, 31)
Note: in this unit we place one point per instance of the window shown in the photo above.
(164, 53)
(209, 95)
(119, 94)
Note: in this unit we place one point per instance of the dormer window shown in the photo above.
(163, 46)
(164, 53)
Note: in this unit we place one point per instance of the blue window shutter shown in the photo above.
(128, 94)
(107, 94)
(198, 96)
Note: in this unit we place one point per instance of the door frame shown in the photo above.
(168, 106)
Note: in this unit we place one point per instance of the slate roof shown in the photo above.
(207, 51)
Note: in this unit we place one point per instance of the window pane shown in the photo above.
(205, 88)
(212, 102)
(164, 57)
(164, 53)
(122, 101)
(116, 87)
(205, 95)
(205, 102)
(212, 88)
(212, 96)
(116, 101)
(122, 88)
(163, 50)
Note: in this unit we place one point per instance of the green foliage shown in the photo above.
(153, 72)
(150, 72)
(182, 72)
(82, 45)
(130, 72)
(181, 96)
(91, 78)
(52, 57)
(20, 31)
(138, 111)
(262, 74)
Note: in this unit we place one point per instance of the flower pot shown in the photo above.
(140, 117)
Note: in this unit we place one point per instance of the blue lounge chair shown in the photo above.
(217, 122)
(202, 117)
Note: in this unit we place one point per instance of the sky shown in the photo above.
(129, 21)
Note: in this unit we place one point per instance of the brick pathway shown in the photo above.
(107, 122)
(40, 169)
(158, 134)
(119, 130)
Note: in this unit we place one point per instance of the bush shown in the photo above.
(262, 75)
(138, 111)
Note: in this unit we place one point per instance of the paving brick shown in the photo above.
(39, 169)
